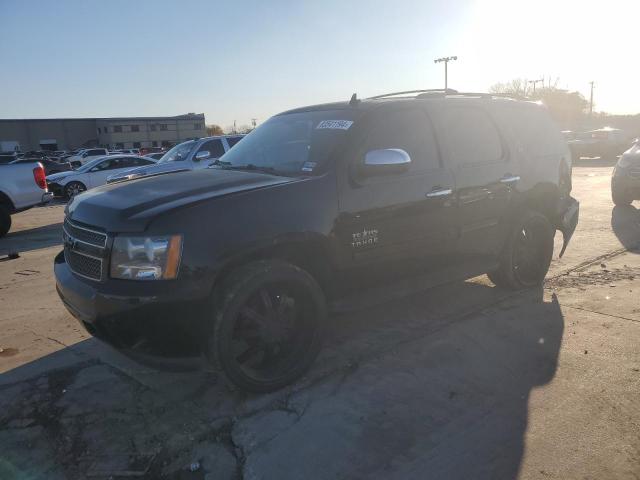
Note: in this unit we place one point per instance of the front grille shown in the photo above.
(84, 249)
(83, 265)
(85, 234)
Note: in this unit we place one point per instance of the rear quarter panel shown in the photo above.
(17, 183)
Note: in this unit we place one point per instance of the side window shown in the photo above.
(105, 165)
(471, 137)
(409, 130)
(214, 147)
(138, 162)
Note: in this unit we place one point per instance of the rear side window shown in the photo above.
(214, 147)
(409, 130)
(233, 140)
(535, 131)
(471, 137)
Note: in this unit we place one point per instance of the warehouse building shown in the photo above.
(114, 133)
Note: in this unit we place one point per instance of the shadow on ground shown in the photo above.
(32, 239)
(625, 222)
(431, 386)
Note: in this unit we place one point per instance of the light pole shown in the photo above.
(591, 99)
(446, 61)
(540, 80)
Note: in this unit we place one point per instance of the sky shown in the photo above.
(240, 60)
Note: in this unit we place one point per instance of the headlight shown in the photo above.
(146, 258)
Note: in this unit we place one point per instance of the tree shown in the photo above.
(516, 87)
(567, 108)
(213, 130)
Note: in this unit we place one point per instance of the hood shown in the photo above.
(130, 206)
(59, 176)
(156, 169)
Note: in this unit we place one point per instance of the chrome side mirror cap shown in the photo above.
(203, 155)
(388, 160)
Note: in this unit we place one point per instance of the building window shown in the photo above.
(105, 130)
(136, 145)
(152, 127)
(99, 131)
(117, 129)
(135, 128)
(163, 127)
(154, 144)
(197, 126)
(120, 145)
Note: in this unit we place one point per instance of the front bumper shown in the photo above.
(55, 189)
(627, 179)
(157, 321)
(567, 220)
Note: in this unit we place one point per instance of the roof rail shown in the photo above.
(492, 95)
(448, 91)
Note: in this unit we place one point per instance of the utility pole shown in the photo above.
(591, 99)
(540, 80)
(446, 61)
(253, 122)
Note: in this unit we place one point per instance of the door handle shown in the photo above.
(439, 192)
(509, 179)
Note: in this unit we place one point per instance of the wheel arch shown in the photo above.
(309, 252)
(5, 200)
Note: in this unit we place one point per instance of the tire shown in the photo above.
(619, 195)
(527, 255)
(74, 188)
(269, 321)
(5, 220)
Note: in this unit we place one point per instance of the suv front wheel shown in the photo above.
(527, 255)
(268, 326)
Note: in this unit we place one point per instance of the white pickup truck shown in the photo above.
(22, 186)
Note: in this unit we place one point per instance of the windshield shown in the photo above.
(179, 152)
(291, 144)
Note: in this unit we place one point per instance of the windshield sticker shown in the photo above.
(308, 166)
(335, 124)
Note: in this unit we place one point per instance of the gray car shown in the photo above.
(189, 155)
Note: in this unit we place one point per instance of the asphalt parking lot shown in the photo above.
(464, 381)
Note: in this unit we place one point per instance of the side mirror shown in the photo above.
(203, 155)
(388, 160)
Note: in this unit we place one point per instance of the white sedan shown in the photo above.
(93, 174)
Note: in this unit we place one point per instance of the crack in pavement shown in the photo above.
(602, 313)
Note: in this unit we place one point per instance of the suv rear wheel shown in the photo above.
(268, 327)
(527, 256)
(5, 220)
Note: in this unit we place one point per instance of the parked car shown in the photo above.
(315, 207)
(92, 174)
(625, 181)
(88, 154)
(189, 155)
(50, 166)
(22, 186)
(145, 151)
(8, 157)
(605, 143)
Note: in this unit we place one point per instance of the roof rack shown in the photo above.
(417, 93)
(449, 91)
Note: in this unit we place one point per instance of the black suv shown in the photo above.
(243, 260)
